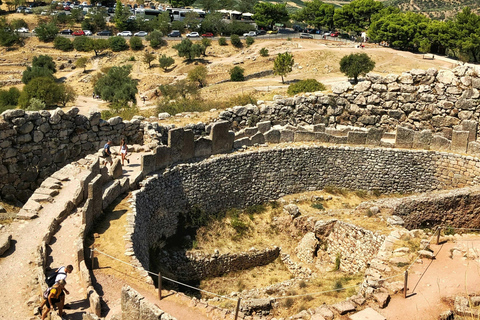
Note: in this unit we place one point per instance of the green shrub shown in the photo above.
(249, 41)
(264, 52)
(449, 231)
(165, 61)
(289, 303)
(255, 209)
(117, 43)
(307, 85)
(338, 259)
(62, 43)
(338, 285)
(235, 40)
(222, 41)
(136, 43)
(156, 39)
(318, 206)
(132, 58)
(236, 74)
(83, 43)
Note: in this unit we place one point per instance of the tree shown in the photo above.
(198, 74)
(356, 15)
(356, 64)
(213, 23)
(46, 32)
(81, 63)
(42, 67)
(116, 85)
(165, 62)
(249, 41)
(161, 23)
(35, 105)
(467, 25)
(236, 74)
(317, 14)
(62, 43)
(18, 23)
(42, 88)
(9, 97)
(98, 45)
(267, 14)
(222, 41)
(188, 49)
(44, 61)
(235, 40)
(76, 14)
(121, 16)
(148, 58)
(246, 5)
(181, 88)
(282, 65)
(264, 52)
(95, 22)
(205, 44)
(117, 43)
(136, 43)
(156, 40)
(66, 94)
(83, 43)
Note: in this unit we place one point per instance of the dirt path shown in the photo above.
(433, 282)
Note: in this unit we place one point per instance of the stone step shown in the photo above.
(367, 314)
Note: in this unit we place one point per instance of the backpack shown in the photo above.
(50, 281)
(46, 293)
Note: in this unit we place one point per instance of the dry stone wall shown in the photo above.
(244, 179)
(421, 99)
(33, 145)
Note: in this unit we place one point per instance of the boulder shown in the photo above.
(306, 250)
(292, 210)
(115, 170)
(5, 240)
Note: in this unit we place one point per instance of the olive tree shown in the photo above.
(356, 64)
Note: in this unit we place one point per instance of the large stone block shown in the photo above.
(374, 136)
(471, 126)
(149, 311)
(115, 170)
(356, 137)
(272, 136)
(440, 143)
(148, 163)
(130, 301)
(422, 139)
(242, 142)
(319, 127)
(257, 138)
(182, 145)
(5, 240)
(222, 138)
(95, 304)
(474, 148)
(287, 136)
(95, 194)
(404, 137)
(162, 157)
(304, 136)
(264, 126)
(322, 137)
(203, 147)
(459, 141)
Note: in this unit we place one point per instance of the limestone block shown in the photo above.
(374, 136)
(130, 301)
(342, 87)
(344, 307)
(322, 137)
(304, 136)
(440, 143)
(203, 147)
(307, 248)
(85, 274)
(242, 142)
(473, 148)
(257, 138)
(325, 312)
(222, 138)
(422, 139)
(5, 240)
(338, 140)
(264, 126)
(149, 311)
(404, 137)
(471, 126)
(272, 136)
(382, 298)
(182, 145)
(426, 254)
(292, 210)
(319, 127)
(459, 141)
(115, 170)
(148, 163)
(95, 194)
(256, 305)
(317, 317)
(287, 135)
(367, 314)
(356, 137)
(95, 304)
(251, 131)
(162, 157)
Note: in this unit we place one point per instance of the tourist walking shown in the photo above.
(53, 298)
(107, 154)
(60, 275)
(123, 151)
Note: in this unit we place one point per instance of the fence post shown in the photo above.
(159, 286)
(438, 235)
(405, 285)
(92, 255)
(237, 308)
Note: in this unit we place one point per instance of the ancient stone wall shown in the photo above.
(249, 178)
(33, 145)
(431, 99)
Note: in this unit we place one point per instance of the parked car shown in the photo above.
(107, 33)
(87, 32)
(66, 31)
(124, 34)
(272, 31)
(261, 32)
(334, 34)
(67, 8)
(327, 34)
(207, 35)
(140, 34)
(193, 35)
(21, 9)
(174, 33)
(21, 30)
(28, 10)
(78, 33)
(306, 36)
(250, 34)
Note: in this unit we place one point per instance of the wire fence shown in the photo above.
(436, 233)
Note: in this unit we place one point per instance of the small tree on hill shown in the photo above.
(156, 40)
(236, 74)
(81, 63)
(165, 62)
(188, 50)
(283, 64)
(356, 64)
(148, 58)
(235, 40)
(199, 75)
(136, 43)
(205, 44)
(46, 32)
(117, 43)
(98, 45)
(116, 85)
(62, 43)
(83, 43)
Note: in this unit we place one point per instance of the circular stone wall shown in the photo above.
(244, 179)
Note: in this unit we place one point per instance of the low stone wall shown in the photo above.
(197, 266)
(33, 145)
(249, 178)
(135, 306)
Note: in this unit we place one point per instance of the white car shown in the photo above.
(21, 30)
(140, 34)
(124, 34)
(87, 32)
(193, 35)
(250, 34)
